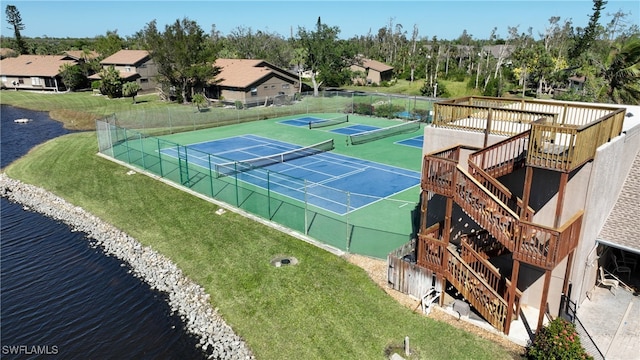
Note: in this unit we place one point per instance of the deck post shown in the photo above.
(543, 300)
(512, 294)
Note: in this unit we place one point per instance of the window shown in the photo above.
(254, 91)
(266, 86)
(273, 86)
(285, 86)
(127, 69)
(4, 79)
(36, 80)
(144, 81)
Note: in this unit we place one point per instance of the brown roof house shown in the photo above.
(252, 82)
(374, 71)
(133, 65)
(34, 72)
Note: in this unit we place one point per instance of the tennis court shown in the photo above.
(414, 142)
(362, 199)
(323, 172)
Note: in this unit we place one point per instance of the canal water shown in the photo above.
(63, 298)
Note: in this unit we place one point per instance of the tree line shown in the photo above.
(604, 57)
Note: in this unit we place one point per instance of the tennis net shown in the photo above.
(234, 167)
(376, 134)
(329, 122)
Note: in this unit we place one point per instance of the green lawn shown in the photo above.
(322, 308)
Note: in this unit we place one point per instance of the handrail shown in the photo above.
(531, 243)
(497, 160)
(491, 275)
(481, 296)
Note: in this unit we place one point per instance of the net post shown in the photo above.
(160, 158)
(269, 193)
(347, 221)
(126, 141)
(144, 166)
(235, 176)
(306, 219)
(210, 174)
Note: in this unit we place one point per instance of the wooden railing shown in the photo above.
(565, 147)
(436, 256)
(500, 159)
(499, 121)
(431, 248)
(480, 295)
(567, 113)
(544, 246)
(475, 259)
(531, 243)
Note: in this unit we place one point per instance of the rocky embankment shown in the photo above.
(186, 298)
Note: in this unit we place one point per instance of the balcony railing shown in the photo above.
(565, 147)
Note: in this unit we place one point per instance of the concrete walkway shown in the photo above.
(613, 322)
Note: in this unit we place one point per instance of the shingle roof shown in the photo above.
(33, 65)
(123, 75)
(621, 227)
(242, 73)
(376, 65)
(125, 57)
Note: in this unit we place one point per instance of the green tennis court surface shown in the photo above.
(360, 198)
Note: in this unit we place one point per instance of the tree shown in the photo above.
(326, 57)
(182, 54)
(130, 89)
(299, 56)
(199, 101)
(585, 40)
(622, 73)
(109, 44)
(72, 76)
(15, 20)
(110, 82)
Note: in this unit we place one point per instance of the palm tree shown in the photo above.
(622, 72)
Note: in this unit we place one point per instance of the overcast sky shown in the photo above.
(444, 19)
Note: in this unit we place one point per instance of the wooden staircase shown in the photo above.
(506, 222)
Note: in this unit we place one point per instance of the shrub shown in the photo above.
(239, 105)
(558, 340)
(363, 108)
(388, 110)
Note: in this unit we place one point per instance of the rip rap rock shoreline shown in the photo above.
(186, 298)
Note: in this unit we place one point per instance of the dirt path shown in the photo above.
(377, 270)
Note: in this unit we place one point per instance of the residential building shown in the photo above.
(133, 65)
(375, 72)
(34, 72)
(252, 83)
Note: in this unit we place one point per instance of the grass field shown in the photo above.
(322, 308)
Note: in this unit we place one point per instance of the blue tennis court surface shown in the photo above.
(354, 129)
(303, 121)
(414, 142)
(322, 180)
